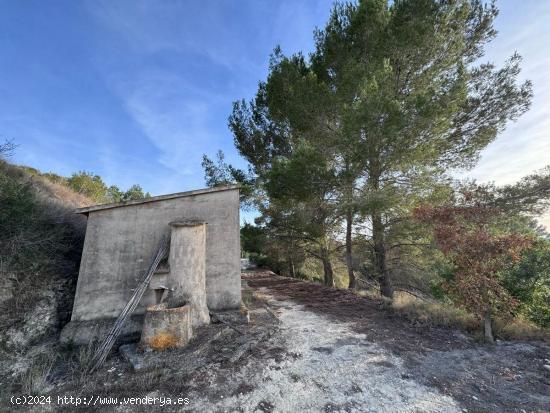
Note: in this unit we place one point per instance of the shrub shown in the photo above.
(89, 185)
(477, 254)
(529, 282)
(259, 259)
(40, 242)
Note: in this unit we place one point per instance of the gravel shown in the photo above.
(328, 367)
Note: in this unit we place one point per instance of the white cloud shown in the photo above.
(175, 119)
(149, 27)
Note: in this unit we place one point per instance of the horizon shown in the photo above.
(137, 92)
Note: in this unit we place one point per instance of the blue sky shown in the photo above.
(137, 91)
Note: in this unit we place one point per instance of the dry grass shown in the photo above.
(520, 329)
(312, 269)
(36, 378)
(433, 314)
(85, 355)
(372, 294)
(81, 360)
(59, 202)
(446, 315)
(61, 193)
(246, 298)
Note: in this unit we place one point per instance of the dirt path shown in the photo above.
(337, 352)
(328, 367)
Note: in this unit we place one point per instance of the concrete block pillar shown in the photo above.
(187, 259)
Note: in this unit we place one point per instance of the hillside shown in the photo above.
(40, 246)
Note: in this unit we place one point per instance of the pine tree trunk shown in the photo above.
(349, 262)
(488, 328)
(291, 270)
(381, 269)
(327, 270)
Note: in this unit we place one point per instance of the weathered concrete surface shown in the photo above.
(166, 327)
(187, 278)
(83, 332)
(120, 242)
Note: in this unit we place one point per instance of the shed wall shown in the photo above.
(120, 243)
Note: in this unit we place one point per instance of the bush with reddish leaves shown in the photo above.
(463, 232)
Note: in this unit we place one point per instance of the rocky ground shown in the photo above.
(311, 348)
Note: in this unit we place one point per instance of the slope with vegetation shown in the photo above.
(92, 186)
(41, 241)
(40, 244)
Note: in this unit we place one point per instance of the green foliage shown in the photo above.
(538, 309)
(94, 187)
(216, 173)
(305, 177)
(363, 130)
(114, 194)
(17, 203)
(263, 261)
(220, 173)
(135, 192)
(437, 291)
(88, 184)
(529, 282)
(530, 195)
(30, 170)
(266, 248)
(53, 177)
(253, 238)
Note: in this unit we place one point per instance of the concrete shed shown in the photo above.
(121, 240)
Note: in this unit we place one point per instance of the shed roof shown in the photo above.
(87, 210)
